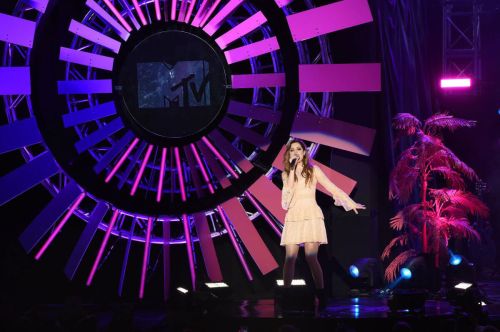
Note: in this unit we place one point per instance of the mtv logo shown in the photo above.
(184, 84)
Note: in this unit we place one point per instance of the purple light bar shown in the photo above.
(217, 21)
(173, 10)
(118, 15)
(39, 5)
(221, 158)
(86, 58)
(162, 174)
(122, 159)
(133, 161)
(283, 3)
(15, 81)
(244, 133)
(190, 11)
(202, 168)
(18, 134)
(189, 246)
(125, 257)
(166, 260)
(103, 246)
(99, 135)
(17, 30)
(255, 112)
(252, 50)
(247, 81)
(145, 258)
(124, 34)
(195, 176)
(141, 170)
(352, 77)
(84, 31)
(199, 13)
(157, 10)
(182, 11)
(245, 27)
(224, 145)
(209, 13)
(262, 213)
(235, 244)
(450, 83)
(139, 12)
(89, 114)
(84, 86)
(179, 173)
(60, 226)
(328, 18)
(113, 152)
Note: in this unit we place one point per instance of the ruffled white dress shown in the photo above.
(304, 220)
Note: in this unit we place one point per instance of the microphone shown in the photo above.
(293, 161)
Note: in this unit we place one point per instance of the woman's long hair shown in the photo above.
(307, 169)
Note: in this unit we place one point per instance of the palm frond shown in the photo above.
(453, 179)
(459, 165)
(463, 229)
(470, 203)
(445, 121)
(398, 240)
(392, 269)
(406, 123)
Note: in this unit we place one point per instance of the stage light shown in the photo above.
(451, 83)
(464, 272)
(405, 273)
(463, 285)
(455, 260)
(354, 271)
(216, 285)
(295, 282)
(182, 290)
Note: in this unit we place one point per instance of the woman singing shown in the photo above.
(304, 218)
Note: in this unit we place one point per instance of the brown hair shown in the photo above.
(307, 169)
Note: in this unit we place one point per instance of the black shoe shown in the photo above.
(322, 300)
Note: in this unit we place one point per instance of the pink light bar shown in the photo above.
(221, 158)
(248, 25)
(60, 226)
(190, 11)
(145, 258)
(189, 245)
(182, 11)
(157, 10)
(162, 174)
(246, 81)
(262, 213)
(141, 170)
(210, 12)
(221, 16)
(235, 244)
(103, 245)
(252, 50)
(450, 83)
(122, 159)
(199, 13)
(139, 12)
(179, 173)
(202, 168)
(118, 15)
(173, 10)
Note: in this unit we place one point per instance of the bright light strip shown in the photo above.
(190, 11)
(118, 15)
(141, 170)
(103, 245)
(463, 285)
(157, 10)
(173, 9)
(202, 168)
(295, 282)
(179, 173)
(60, 226)
(447, 83)
(221, 158)
(139, 12)
(216, 284)
(122, 159)
(262, 213)
(189, 245)
(162, 174)
(182, 290)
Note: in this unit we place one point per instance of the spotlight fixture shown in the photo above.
(366, 276)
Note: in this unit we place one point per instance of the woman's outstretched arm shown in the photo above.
(339, 196)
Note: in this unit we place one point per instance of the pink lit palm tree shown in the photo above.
(440, 214)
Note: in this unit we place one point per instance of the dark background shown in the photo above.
(24, 281)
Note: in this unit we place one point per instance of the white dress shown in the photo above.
(304, 220)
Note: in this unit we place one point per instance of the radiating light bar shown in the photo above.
(182, 11)
(252, 50)
(189, 245)
(89, 114)
(86, 58)
(15, 81)
(245, 81)
(222, 14)
(157, 10)
(190, 11)
(179, 173)
(450, 83)
(84, 86)
(145, 258)
(199, 13)
(99, 135)
(118, 15)
(141, 170)
(60, 226)
(245, 27)
(18, 134)
(17, 30)
(173, 9)
(122, 159)
(103, 246)
(202, 168)
(162, 174)
(235, 244)
(139, 12)
(124, 34)
(209, 13)
(96, 37)
(221, 158)
(262, 213)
